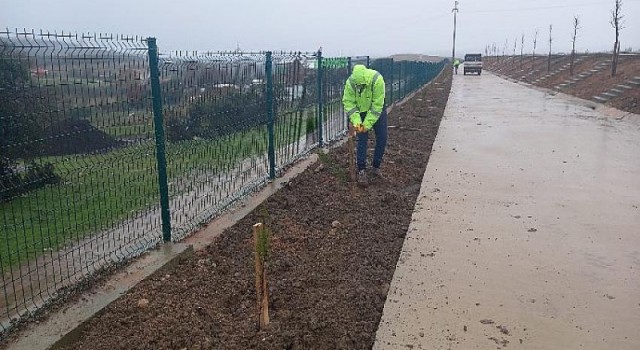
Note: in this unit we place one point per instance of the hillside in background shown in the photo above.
(591, 78)
(416, 57)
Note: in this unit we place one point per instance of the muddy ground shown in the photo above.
(529, 69)
(333, 255)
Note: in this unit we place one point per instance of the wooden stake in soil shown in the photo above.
(260, 237)
(264, 314)
(352, 160)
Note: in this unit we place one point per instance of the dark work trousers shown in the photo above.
(380, 128)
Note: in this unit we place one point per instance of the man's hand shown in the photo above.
(360, 128)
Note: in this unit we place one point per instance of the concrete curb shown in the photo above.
(171, 255)
(64, 325)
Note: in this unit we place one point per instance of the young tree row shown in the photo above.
(616, 21)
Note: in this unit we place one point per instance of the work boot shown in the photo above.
(362, 178)
(376, 174)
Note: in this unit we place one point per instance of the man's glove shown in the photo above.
(360, 128)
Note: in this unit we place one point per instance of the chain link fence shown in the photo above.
(109, 147)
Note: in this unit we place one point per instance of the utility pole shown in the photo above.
(455, 12)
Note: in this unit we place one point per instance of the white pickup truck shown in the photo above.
(473, 63)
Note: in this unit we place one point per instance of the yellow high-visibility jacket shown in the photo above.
(363, 92)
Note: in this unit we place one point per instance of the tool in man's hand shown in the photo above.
(352, 158)
(360, 128)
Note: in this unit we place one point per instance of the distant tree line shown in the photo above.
(616, 21)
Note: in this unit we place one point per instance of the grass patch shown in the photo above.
(97, 191)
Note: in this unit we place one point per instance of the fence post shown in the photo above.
(400, 96)
(270, 115)
(320, 99)
(368, 62)
(158, 121)
(404, 79)
(414, 81)
(407, 78)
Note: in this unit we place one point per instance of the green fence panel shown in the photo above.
(334, 78)
(216, 112)
(78, 175)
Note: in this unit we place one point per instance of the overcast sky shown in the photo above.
(341, 27)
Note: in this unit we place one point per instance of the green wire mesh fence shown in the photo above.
(214, 105)
(78, 190)
(404, 77)
(335, 72)
(108, 147)
(295, 106)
